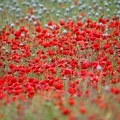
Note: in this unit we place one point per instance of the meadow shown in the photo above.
(59, 60)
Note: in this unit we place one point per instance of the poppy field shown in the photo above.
(60, 60)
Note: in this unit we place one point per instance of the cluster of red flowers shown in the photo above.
(75, 59)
